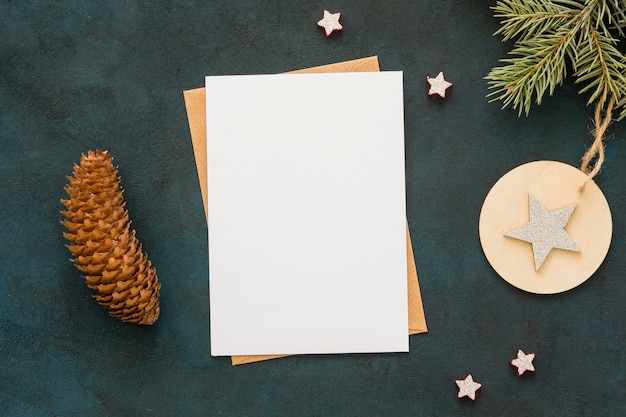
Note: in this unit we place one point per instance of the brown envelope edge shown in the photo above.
(195, 102)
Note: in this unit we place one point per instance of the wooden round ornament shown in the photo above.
(554, 185)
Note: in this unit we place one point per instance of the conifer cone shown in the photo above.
(104, 246)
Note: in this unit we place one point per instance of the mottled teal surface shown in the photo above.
(79, 75)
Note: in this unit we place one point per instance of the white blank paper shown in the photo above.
(307, 238)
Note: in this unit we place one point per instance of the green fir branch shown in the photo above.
(524, 20)
(602, 67)
(551, 33)
(537, 66)
(614, 11)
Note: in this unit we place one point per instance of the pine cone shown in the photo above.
(105, 248)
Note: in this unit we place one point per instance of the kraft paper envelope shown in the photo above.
(195, 102)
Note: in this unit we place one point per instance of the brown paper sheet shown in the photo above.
(196, 113)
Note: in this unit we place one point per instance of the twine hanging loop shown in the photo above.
(597, 148)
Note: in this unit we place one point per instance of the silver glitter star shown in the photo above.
(546, 230)
(438, 85)
(330, 22)
(523, 362)
(467, 387)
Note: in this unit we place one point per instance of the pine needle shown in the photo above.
(549, 35)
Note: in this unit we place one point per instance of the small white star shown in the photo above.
(523, 362)
(467, 387)
(330, 22)
(545, 230)
(438, 85)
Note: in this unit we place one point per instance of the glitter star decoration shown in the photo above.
(438, 85)
(467, 387)
(523, 362)
(545, 230)
(330, 22)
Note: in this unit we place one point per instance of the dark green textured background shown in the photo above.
(77, 75)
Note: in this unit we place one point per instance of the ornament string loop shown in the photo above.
(597, 148)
